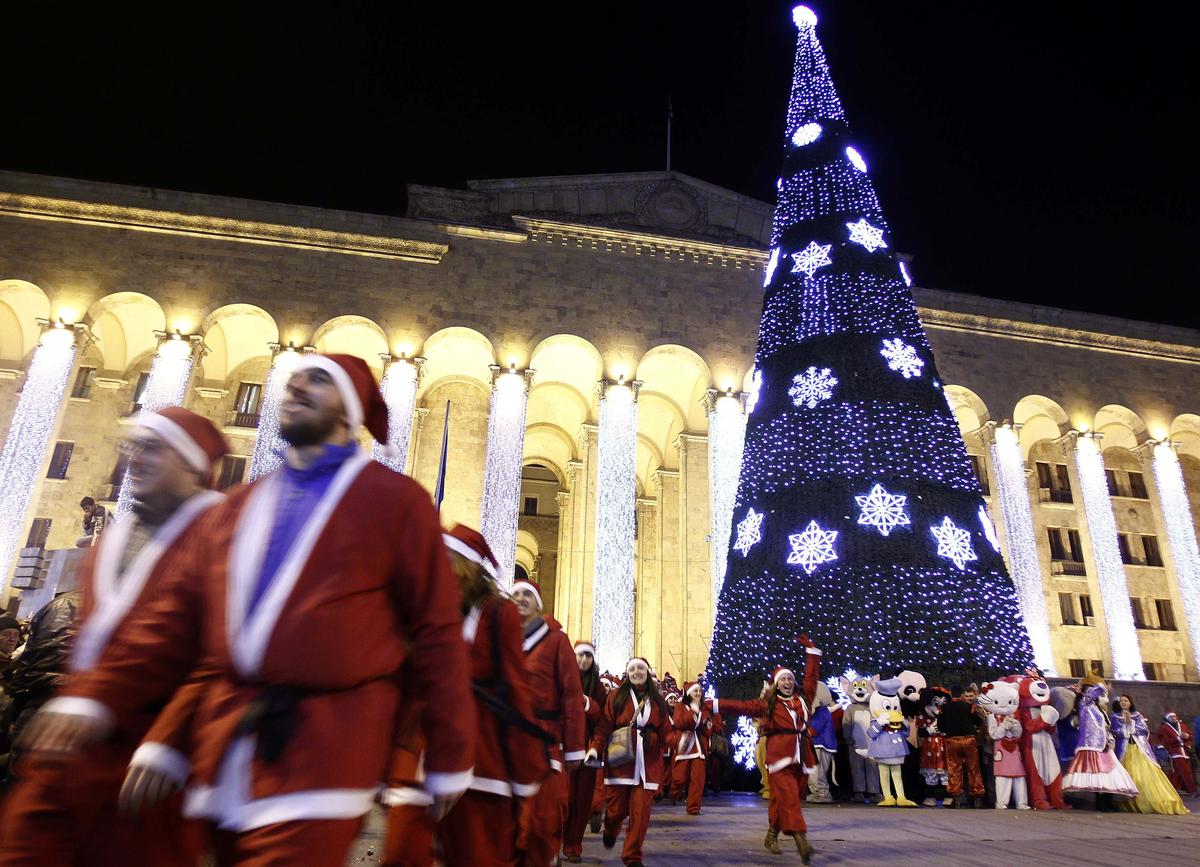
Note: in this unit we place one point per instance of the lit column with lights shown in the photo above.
(32, 430)
(726, 437)
(399, 387)
(267, 442)
(170, 373)
(1182, 548)
(1110, 571)
(1016, 515)
(501, 504)
(616, 497)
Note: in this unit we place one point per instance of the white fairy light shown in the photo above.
(170, 373)
(744, 742)
(501, 505)
(749, 532)
(1110, 572)
(399, 388)
(1012, 493)
(772, 263)
(904, 273)
(804, 17)
(806, 134)
(1181, 534)
(726, 435)
(268, 444)
(812, 547)
(902, 358)
(612, 611)
(867, 235)
(882, 510)
(755, 389)
(29, 436)
(989, 528)
(812, 258)
(954, 543)
(812, 387)
(856, 159)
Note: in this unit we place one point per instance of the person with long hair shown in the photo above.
(693, 725)
(1095, 767)
(1132, 733)
(783, 712)
(630, 784)
(583, 779)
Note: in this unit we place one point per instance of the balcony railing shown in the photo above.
(243, 419)
(1068, 567)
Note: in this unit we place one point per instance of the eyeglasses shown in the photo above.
(130, 448)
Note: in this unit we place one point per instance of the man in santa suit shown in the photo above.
(583, 778)
(558, 705)
(65, 811)
(290, 737)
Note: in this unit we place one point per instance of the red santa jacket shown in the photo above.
(593, 708)
(692, 729)
(784, 729)
(553, 676)
(654, 731)
(1178, 744)
(367, 583)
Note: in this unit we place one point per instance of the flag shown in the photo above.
(439, 492)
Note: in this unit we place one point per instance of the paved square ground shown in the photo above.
(731, 829)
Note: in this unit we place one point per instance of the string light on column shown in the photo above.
(268, 445)
(1012, 493)
(616, 496)
(1181, 533)
(726, 436)
(501, 506)
(30, 432)
(399, 387)
(1110, 572)
(170, 373)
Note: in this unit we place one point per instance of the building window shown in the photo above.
(1123, 546)
(139, 390)
(1076, 545)
(1054, 482)
(1066, 605)
(531, 506)
(1137, 486)
(1077, 667)
(1096, 667)
(116, 478)
(1139, 613)
(980, 473)
(1056, 543)
(1150, 547)
(1110, 476)
(1066, 551)
(39, 532)
(246, 406)
(82, 388)
(1166, 614)
(1151, 670)
(233, 471)
(1085, 609)
(60, 460)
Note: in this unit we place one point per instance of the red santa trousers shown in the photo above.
(636, 802)
(690, 773)
(480, 831)
(1181, 774)
(65, 812)
(303, 843)
(542, 819)
(788, 786)
(598, 795)
(580, 809)
(962, 758)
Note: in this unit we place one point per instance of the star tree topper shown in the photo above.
(812, 547)
(864, 233)
(882, 510)
(749, 532)
(811, 258)
(954, 543)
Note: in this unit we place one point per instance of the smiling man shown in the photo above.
(290, 736)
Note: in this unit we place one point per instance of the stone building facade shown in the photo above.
(652, 278)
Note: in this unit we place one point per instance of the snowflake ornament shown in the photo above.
(864, 233)
(812, 547)
(902, 357)
(812, 387)
(882, 510)
(812, 258)
(954, 543)
(749, 532)
(743, 741)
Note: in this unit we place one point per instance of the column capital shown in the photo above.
(1070, 441)
(587, 435)
(715, 400)
(196, 347)
(563, 499)
(574, 468)
(512, 373)
(634, 385)
(80, 334)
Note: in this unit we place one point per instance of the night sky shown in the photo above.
(1032, 151)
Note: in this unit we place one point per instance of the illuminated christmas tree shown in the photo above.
(859, 519)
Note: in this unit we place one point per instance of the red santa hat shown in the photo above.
(780, 671)
(687, 687)
(641, 659)
(585, 647)
(194, 437)
(470, 545)
(531, 587)
(358, 389)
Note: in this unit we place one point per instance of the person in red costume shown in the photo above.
(510, 754)
(1039, 721)
(629, 788)
(289, 737)
(65, 811)
(693, 725)
(784, 713)
(583, 778)
(553, 676)
(1176, 738)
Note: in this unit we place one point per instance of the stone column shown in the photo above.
(563, 577)
(1099, 533)
(267, 442)
(613, 589)
(501, 504)
(696, 605)
(31, 433)
(401, 378)
(1015, 513)
(648, 615)
(670, 601)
